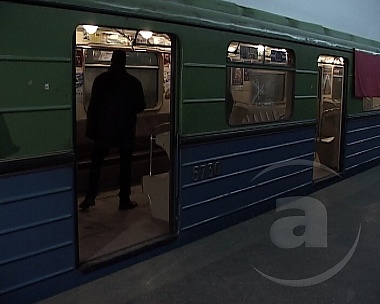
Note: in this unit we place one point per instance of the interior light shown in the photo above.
(261, 48)
(146, 34)
(114, 37)
(340, 61)
(232, 48)
(90, 29)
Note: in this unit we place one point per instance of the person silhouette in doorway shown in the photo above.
(116, 98)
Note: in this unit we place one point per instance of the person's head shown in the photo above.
(118, 59)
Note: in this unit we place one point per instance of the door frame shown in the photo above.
(330, 116)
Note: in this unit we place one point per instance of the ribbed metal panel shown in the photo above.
(36, 227)
(242, 183)
(363, 141)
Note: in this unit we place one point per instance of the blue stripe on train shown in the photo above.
(253, 169)
(37, 229)
(362, 142)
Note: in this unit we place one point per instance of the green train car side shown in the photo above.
(248, 90)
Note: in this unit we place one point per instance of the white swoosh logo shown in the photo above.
(298, 162)
(320, 277)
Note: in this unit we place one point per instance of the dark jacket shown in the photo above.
(116, 98)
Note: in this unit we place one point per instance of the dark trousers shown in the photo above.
(97, 158)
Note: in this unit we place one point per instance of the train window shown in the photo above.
(148, 55)
(371, 103)
(143, 65)
(260, 82)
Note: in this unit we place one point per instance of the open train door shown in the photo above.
(103, 230)
(329, 121)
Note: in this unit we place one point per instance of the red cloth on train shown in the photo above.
(367, 74)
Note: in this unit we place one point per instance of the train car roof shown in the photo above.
(224, 15)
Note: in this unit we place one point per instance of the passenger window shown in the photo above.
(260, 84)
(142, 65)
(148, 59)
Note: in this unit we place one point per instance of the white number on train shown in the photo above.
(205, 171)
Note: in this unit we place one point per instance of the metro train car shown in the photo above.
(243, 108)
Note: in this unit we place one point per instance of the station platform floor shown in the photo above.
(249, 262)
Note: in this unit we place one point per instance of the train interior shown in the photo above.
(104, 231)
(329, 121)
(259, 95)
